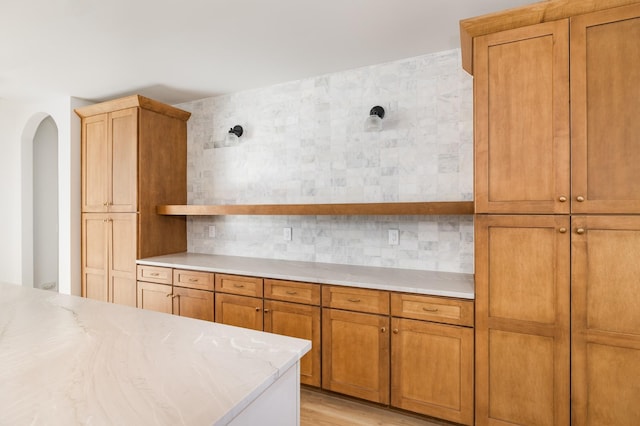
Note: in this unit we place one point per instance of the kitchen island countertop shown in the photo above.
(67, 360)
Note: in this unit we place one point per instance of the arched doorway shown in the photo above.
(40, 203)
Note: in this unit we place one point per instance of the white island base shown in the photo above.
(66, 360)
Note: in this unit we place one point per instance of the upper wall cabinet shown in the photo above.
(550, 142)
(521, 103)
(109, 162)
(605, 100)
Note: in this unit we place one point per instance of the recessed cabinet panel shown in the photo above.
(613, 373)
(355, 354)
(521, 373)
(522, 120)
(122, 256)
(95, 156)
(605, 71)
(95, 257)
(523, 277)
(124, 152)
(193, 303)
(240, 311)
(154, 297)
(432, 369)
(301, 321)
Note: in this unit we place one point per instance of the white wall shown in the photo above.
(18, 124)
(45, 206)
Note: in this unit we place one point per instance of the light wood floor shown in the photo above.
(322, 409)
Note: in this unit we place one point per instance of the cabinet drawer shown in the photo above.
(291, 291)
(431, 308)
(193, 279)
(155, 274)
(356, 299)
(237, 284)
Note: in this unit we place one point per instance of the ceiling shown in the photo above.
(181, 50)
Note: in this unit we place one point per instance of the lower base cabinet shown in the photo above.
(355, 354)
(432, 369)
(413, 352)
(239, 311)
(303, 322)
(167, 291)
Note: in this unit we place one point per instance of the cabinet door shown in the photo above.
(154, 297)
(521, 124)
(605, 102)
(193, 303)
(122, 258)
(355, 354)
(606, 320)
(302, 321)
(95, 257)
(123, 161)
(241, 311)
(522, 320)
(432, 369)
(95, 167)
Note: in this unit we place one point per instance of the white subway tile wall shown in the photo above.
(304, 142)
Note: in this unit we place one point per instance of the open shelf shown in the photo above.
(349, 209)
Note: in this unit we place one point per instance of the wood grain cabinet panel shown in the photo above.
(356, 299)
(108, 257)
(193, 279)
(301, 321)
(292, 291)
(240, 311)
(605, 70)
(155, 274)
(522, 319)
(432, 369)
(193, 303)
(521, 130)
(606, 320)
(240, 285)
(155, 297)
(355, 354)
(431, 308)
(133, 158)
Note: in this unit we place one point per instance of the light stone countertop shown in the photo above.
(448, 284)
(65, 360)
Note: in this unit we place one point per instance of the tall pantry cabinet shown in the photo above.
(133, 157)
(557, 180)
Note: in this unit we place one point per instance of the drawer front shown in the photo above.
(356, 299)
(155, 274)
(193, 279)
(431, 308)
(292, 291)
(237, 284)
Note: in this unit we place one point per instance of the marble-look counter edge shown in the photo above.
(447, 284)
(136, 342)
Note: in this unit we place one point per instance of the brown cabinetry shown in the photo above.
(605, 70)
(239, 301)
(521, 127)
(522, 319)
(133, 154)
(355, 345)
(107, 249)
(178, 292)
(606, 320)
(524, 282)
(292, 309)
(432, 363)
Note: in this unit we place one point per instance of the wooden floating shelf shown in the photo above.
(357, 209)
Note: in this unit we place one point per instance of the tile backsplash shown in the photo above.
(304, 142)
